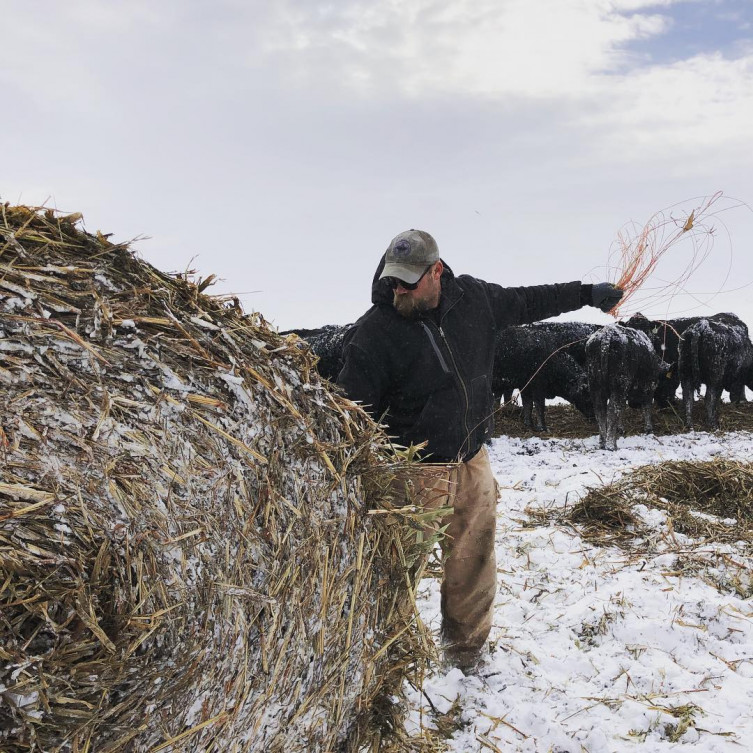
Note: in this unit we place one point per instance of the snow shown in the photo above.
(599, 650)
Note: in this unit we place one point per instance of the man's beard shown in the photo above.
(408, 306)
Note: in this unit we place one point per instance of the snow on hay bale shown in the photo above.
(196, 545)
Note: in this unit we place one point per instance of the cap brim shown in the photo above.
(409, 273)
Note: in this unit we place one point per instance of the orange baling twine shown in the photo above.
(640, 252)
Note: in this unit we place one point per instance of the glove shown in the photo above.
(605, 296)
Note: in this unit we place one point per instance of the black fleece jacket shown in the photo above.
(429, 379)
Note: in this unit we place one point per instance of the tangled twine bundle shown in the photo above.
(638, 251)
(189, 555)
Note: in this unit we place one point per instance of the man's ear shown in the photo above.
(438, 269)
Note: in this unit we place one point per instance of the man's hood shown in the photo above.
(381, 291)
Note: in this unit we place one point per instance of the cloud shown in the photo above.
(596, 64)
(485, 48)
(699, 106)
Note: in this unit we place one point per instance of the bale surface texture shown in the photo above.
(194, 548)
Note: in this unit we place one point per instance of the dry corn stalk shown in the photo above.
(187, 556)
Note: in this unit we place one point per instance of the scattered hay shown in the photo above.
(686, 720)
(199, 548)
(724, 571)
(721, 489)
(605, 514)
(710, 501)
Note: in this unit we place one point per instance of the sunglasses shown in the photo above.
(393, 282)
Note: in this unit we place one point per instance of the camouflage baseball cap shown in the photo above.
(409, 254)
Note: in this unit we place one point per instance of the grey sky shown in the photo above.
(280, 145)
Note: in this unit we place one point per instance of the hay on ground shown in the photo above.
(199, 549)
(710, 501)
(606, 513)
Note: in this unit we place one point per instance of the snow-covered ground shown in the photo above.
(595, 650)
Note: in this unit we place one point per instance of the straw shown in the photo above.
(188, 559)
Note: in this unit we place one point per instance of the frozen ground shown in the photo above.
(595, 650)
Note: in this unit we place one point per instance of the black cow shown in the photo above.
(622, 367)
(666, 334)
(719, 355)
(543, 360)
(327, 343)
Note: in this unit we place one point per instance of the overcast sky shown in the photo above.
(280, 144)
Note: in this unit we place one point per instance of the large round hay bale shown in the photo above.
(188, 554)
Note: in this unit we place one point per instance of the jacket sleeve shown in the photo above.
(533, 303)
(362, 378)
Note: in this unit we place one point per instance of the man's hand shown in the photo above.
(605, 296)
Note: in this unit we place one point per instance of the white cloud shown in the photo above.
(548, 50)
(489, 48)
(701, 105)
(569, 54)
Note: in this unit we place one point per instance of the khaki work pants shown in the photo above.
(469, 582)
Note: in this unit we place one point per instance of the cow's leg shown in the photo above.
(613, 421)
(713, 400)
(648, 421)
(600, 413)
(527, 408)
(688, 395)
(539, 407)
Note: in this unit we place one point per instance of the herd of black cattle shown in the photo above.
(600, 369)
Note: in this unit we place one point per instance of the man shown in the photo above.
(420, 359)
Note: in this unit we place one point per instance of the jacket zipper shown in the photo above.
(447, 370)
(462, 385)
(436, 348)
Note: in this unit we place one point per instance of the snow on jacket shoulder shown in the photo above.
(429, 379)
